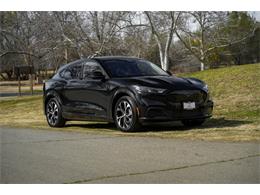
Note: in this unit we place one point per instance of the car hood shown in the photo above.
(165, 82)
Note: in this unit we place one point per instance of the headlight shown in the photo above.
(143, 90)
(205, 87)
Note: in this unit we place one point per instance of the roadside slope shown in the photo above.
(235, 90)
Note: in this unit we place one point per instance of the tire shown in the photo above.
(54, 113)
(193, 123)
(126, 115)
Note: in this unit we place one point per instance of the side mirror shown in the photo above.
(169, 72)
(98, 75)
(67, 74)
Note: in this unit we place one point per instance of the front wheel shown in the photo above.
(54, 114)
(125, 114)
(193, 123)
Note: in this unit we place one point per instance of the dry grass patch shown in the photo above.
(27, 112)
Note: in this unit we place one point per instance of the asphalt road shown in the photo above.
(42, 156)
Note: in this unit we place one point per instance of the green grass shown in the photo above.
(236, 117)
(235, 90)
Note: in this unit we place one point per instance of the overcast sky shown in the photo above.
(256, 15)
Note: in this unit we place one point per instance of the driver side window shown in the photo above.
(66, 74)
(72, 72)
(89, 68)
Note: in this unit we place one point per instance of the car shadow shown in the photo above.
(210, 123)
(168, 126)
(93, 125)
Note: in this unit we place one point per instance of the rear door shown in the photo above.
(73, 76)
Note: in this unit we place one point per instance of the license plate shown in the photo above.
(189, 105)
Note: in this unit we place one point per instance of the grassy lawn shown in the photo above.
(235, 91)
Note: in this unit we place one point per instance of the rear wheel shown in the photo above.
(125, 114)
(54, 114)
(193, 123)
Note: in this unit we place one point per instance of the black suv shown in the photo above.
(124, 90)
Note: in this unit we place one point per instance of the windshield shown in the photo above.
(131, 68)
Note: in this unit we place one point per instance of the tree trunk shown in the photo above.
(9, 75)
(3, 77)
(161, 58)
(166, 62)
(66, 55)
(164, 59)
(202, 59)
(202, 66)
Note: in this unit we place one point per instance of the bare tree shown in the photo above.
(99, 29)
(203, 34)
(163, 25)
(50, 39)
(16, 40)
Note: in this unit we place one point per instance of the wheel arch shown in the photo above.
(51, 94)
(118, 94)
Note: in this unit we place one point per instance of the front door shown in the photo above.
(94, 92)
(87, 96)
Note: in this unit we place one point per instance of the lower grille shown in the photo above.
(187, 96)
(155, 112)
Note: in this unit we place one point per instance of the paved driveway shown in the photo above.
(42, 156)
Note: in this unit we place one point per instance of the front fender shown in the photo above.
(48, 95)
(117, 94)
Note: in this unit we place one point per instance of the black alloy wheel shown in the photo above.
(54, 114)
(125, 114)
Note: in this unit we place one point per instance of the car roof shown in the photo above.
(99, 58)
(115, 58)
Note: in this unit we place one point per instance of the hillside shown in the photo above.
(236, 117)
(235, 90)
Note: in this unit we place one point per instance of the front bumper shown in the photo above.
(161, 110)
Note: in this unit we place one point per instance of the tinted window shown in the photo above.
(89, 68)
(72, 72)
(131, 68)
